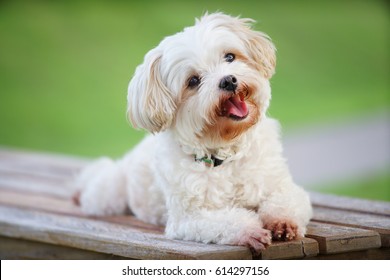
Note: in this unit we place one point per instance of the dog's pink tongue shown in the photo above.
(235, 107)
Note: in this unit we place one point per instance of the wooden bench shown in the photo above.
(38, 220)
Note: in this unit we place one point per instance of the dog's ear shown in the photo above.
(260, 46)
(150, 103)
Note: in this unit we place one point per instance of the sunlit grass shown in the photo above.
(376, 187)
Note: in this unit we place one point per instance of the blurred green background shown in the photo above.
(65, 66)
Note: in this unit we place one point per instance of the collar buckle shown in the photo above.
(209, 162)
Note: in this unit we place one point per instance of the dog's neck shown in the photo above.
(214, 157)
(211, 161)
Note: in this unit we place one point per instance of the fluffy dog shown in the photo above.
(212, 168)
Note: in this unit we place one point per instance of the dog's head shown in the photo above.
(208, 83)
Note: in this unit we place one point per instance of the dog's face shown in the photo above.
(209, 83)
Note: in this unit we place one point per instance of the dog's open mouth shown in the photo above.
(235, 107)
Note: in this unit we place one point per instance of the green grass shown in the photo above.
(376, 187)
(65, 66)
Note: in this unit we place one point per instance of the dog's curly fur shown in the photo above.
(196, 114)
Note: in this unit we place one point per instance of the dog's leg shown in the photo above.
(234, 226)
(286, 213)
(101, 188)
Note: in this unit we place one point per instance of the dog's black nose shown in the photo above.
(228, 83)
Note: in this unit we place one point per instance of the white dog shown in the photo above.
(212, 171)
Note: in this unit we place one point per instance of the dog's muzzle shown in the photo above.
(228, 83)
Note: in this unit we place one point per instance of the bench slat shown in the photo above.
(294, 249)
(302, 248)
(67, 207)
(19, 249)
(338, 239)
(58, 164)
(351, 204)
(38, 173)
(38, 201)
(107, 237)
(378, 223)
(331, 238)
(35, 205)
(39, 186)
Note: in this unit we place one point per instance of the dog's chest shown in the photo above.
(232, 186)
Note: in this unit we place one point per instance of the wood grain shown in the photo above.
(370, 254)
(38, 173)
(67, 207)
(38, 201)
(106, 237)
(40, 162)
(35, 206)
(350, 204)
(295, 249)
(378, 223)
(19, 249)
(337, 239)
(34, 184)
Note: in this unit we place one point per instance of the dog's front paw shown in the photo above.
(256, 238)
(282, 230)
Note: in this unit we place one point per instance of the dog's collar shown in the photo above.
(211, 161)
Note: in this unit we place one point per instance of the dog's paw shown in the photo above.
(282, 230)
(256, 238)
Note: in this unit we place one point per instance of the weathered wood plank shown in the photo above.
(351, 204)
(60, 165)
(31, 173)
(378, 223)
(37, 201)
(38, 173)
(370, 254)
(67, 207)
(42, 183)
(310, 247)
(35, 184)
(19, 249)
(295, 249)
(107, 237)
(337, 239)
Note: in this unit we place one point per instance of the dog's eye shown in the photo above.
(229, 57)
(194, 81)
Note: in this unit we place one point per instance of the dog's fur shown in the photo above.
(178, 95)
